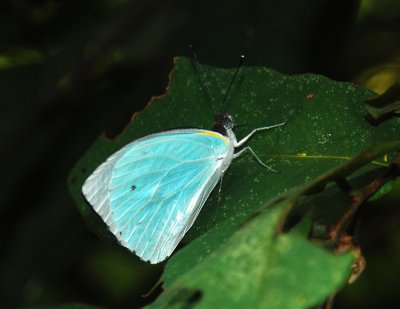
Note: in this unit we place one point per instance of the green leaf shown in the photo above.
(325, 128)
(257, 269)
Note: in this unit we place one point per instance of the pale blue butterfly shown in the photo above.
(150, 192)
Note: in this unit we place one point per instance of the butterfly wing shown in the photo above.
(150, 192)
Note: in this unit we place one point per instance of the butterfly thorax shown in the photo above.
(224, 124)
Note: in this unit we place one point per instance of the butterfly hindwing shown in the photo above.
(150, 192)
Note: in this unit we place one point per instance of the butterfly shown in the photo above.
(150, 192)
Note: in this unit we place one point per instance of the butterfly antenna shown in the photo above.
(241, 59)
(202, 79)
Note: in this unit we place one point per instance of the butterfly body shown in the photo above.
(150, 192)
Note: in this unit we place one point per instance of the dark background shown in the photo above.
(70, 70)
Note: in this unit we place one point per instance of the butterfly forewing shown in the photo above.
(150, 192)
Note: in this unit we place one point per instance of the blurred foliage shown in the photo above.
(374, 52)
(72, 69)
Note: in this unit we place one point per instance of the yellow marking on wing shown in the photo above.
(304, 155)
(215, 134)
(385, 158)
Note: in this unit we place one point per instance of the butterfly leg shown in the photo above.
(255, 156)
(245, 139)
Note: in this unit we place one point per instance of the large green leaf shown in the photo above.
(324, 129)
(258, 269)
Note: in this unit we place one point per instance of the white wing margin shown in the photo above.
(96, 188)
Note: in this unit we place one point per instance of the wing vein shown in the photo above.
(155, 212)
(169, 218)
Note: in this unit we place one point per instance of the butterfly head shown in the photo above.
(223, 124)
